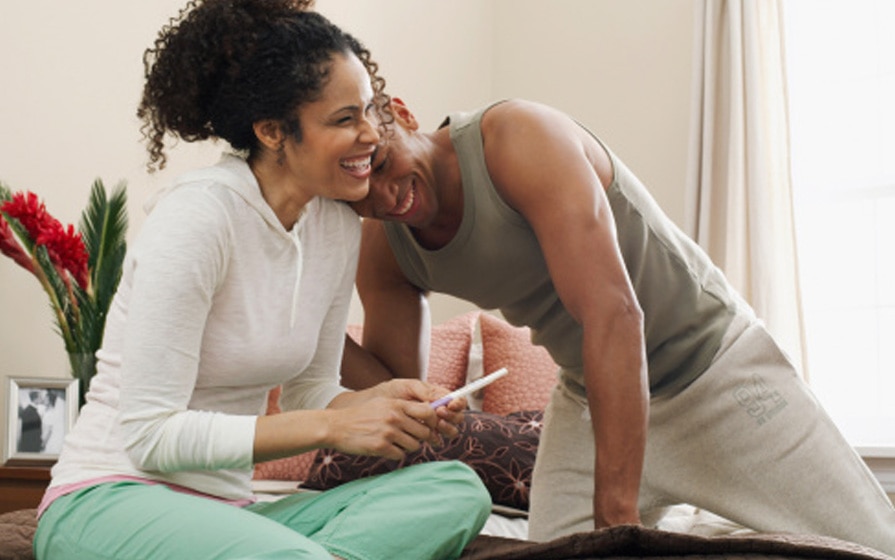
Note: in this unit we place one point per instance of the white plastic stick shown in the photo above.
(470, 388)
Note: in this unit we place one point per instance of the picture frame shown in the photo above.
(40, 412)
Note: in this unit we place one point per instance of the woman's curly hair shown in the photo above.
(220, 66)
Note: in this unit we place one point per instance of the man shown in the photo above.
(670, 390)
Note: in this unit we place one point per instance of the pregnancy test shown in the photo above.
(470, 388)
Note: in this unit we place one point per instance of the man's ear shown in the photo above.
(269, 133)
(403, 115)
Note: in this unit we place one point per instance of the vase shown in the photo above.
(83, 368)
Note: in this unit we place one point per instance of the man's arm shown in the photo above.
(396, 318)
(360, 369)
(544, 167)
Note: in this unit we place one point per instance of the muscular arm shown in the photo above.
(543, 167)
(360, 369)
(396, 318)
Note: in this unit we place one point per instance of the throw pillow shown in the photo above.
(532, 372)
(500, 449)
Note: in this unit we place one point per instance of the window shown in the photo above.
(841, 72)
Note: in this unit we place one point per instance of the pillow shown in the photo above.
(449, 350)
(500, 449)
(532, 372)
(288, 468)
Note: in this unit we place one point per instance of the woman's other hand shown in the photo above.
(442, 422)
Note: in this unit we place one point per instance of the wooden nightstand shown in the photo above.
(22, 486)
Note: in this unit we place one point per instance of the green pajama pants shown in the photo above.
(747, 441)
(424, 511)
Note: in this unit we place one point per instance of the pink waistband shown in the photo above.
(58, 491)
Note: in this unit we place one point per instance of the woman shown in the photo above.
(199, 333)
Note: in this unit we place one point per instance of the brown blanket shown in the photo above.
(17, 531)
(637, 542)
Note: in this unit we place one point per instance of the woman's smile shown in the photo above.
(358, 167)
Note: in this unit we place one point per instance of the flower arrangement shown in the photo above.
(79, 270)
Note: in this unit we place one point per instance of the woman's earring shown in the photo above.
(281, 153)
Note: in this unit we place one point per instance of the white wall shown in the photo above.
(72, 76)
(621, 67)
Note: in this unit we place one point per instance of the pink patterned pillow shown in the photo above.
(449, 351)
(295, 468)
(532, 371)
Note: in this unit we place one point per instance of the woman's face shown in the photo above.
(338, 135)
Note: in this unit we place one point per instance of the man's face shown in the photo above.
(401, 185)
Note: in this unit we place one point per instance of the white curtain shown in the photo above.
(739, 199)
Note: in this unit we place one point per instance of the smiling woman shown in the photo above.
(240, 280)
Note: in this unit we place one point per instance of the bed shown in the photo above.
(17, 530)
(499, 440)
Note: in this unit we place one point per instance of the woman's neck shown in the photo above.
(279, 190)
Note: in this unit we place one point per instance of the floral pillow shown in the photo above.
(501, 450)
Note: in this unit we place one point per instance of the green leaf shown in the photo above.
(57, 290)
(93, 321)
(103, 227)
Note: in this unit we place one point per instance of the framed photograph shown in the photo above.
(41, 411)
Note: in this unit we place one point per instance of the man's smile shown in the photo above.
(404, 206)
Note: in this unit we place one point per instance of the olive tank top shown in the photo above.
(495, 261)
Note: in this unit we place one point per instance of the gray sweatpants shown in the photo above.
(747, 441)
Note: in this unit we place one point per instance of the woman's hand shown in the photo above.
(443, 422)
(388, 420)
(382, 427)
(450, 415)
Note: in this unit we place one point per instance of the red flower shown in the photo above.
(64, 245)
(11, 248)
(30, 212)
(67, 251)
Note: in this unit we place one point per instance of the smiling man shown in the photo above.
(666, 375)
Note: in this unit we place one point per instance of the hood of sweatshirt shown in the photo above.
(233, 172)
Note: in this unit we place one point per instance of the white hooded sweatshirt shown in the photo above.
(218, 303)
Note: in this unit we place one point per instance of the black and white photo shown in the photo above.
(41, 411)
